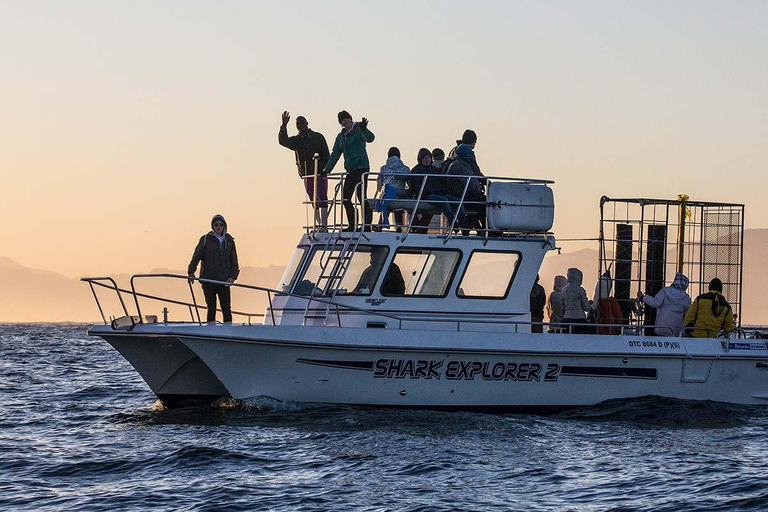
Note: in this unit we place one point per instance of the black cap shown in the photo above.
(716, 285)
(393, 151)
(344, 115)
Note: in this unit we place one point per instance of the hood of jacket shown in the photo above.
(464, 152)
(575, 276)
(680, 282)
(395, 165)
(676, 295)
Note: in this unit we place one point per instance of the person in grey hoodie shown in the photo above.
(671, 304)
(216, 250)
(575, 303)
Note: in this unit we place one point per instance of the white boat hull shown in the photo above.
(468, 370)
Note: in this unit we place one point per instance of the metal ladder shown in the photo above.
(337, 253)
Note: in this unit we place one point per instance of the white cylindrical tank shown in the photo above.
(520, 207)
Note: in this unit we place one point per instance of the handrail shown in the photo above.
(741, 333)
(92, 280)
(95, 281)
(269, 292)
(362, 189)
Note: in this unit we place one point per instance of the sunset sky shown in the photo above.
(124, 126)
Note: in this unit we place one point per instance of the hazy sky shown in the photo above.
(124, 126)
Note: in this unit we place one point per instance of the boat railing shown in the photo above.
(194, 307)
(458, 324)
(361, 200)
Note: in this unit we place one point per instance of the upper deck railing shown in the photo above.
(414, 203)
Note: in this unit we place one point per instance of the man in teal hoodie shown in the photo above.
(350, 142)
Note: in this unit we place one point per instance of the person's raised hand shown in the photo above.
(286, 117)
(191, 278)
(364, 123)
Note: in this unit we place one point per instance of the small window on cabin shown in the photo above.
(420, 272)
(488, 275)
(362, 271)
(289, 276)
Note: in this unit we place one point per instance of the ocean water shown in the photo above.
(79, 430)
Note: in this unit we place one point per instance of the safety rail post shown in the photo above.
(415, 206)
(271, 309)
(98, 304)
(458, 208)
(194, 301)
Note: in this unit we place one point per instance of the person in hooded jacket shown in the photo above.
(555, 305)
(434, 191)
(671, 304)
(392, 184)
(710, 313)
(216, 250)
(351, 142)
(576, 306)
(475, 196)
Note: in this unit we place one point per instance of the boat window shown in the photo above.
(362, 271)
(289, 276)
(488, 275)
(422, 272)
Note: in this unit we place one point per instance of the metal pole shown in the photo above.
(194, 301)
(681, 231)
(97, 302)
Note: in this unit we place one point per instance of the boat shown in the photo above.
(438, 317)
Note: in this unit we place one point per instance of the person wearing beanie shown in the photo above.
(474, 198)
(438, 157)
(216, 250)
(306, 145)
(710, 313)
(391, 184)
(671, 304)
(351, 142)
(470, 139)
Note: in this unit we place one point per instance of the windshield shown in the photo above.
(289, 276)
(355, 276)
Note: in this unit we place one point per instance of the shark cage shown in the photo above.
(644, 242)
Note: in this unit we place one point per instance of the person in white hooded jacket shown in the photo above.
(575, 303)
(671, 304)
(390, 177)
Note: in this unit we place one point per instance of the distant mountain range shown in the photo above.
(33, 295)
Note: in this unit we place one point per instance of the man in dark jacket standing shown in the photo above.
(217, 251)
(538, 301)
(350, 142)
(306, 145)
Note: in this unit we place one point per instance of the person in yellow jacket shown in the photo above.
(710, 313)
